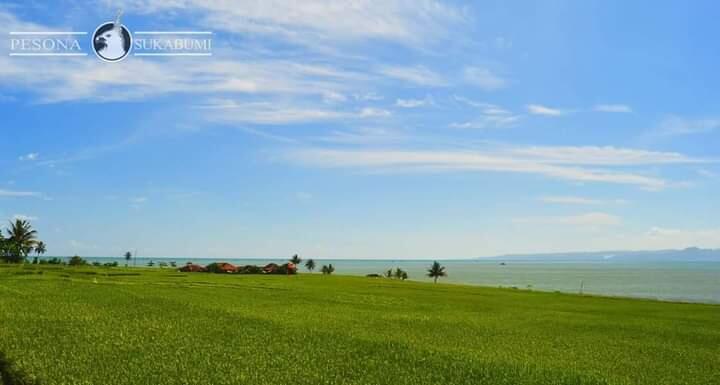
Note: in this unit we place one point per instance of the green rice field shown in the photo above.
(80, 326)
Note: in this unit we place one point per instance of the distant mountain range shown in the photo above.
(686, 255)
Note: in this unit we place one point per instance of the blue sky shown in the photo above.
(369, 129)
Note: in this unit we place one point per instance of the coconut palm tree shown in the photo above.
(328, 269)
(389, 273)
(21, 240)
(310, 265)
(295, 259)
(128, 257)
(436, 271)
(40, 248)
(3, 246)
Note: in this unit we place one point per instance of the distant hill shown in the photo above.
(687, 255)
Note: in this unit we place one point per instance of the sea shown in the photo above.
(664, 280)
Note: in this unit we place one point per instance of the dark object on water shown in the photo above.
(503, 263)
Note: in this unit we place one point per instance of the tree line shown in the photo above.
(20, 240)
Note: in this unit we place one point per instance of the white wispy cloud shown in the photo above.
(253, 73)
(414, 103)
(592, 219)
(565, 163)
(29, 157)
(491, 115)
(537, 109)
(616, 108)
(488, 121)
(363, 136)
(332, 97)
(23, 217)
(603, 156)
(19, 194)
(484, 78)
(677, 125)
(485, 108)
(707, 173)
(418, 75)
(269, 113)
(575, 200)
(413, 23)
(368, 97)
(77, 79)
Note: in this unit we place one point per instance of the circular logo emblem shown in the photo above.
(112, 41)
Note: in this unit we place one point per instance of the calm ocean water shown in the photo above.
(683, 281)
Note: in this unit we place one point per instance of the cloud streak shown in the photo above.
(537, 109)
(19, 194)
(269, 113)
(412, 23)
(613, 108)
(575, 200)
(418, 75)
(564, 163)
(484, 78)
(677, 126)
(593, 219)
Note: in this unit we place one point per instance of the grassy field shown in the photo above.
(114, 326)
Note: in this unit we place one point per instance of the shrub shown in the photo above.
(286, 269)
(77, 261)
(250, 269)
(221, 268)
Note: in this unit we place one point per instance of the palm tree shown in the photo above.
(21, 240)
(328, 269)
(436, 271)
(399, 273)
(295, 259)
(128, 256)
(3, 246)
(310, 265)
(389, 273)
(40, 248)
